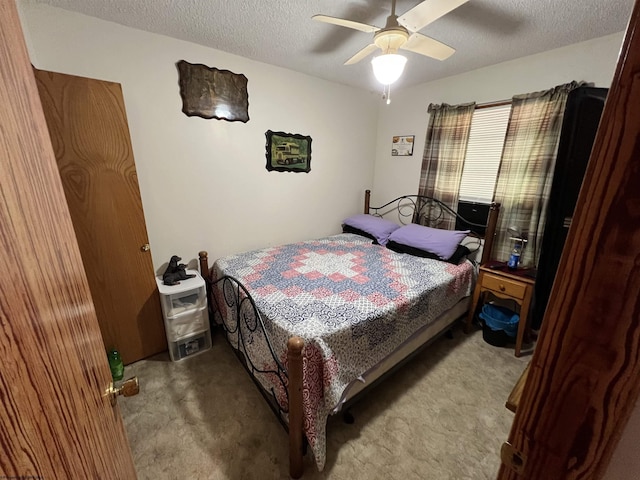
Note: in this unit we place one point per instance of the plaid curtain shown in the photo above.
(444, 152)
(526, 169)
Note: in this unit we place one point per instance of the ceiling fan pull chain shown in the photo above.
(387, 94)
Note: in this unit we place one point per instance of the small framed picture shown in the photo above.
(288, 152)
(402, 146)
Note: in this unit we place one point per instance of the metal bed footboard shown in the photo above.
(243, 326)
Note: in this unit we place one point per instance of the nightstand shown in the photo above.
(516, 285)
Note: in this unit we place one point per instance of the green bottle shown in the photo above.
(116, 365)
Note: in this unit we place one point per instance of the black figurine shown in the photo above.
(175, 272)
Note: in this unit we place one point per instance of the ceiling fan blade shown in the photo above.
(426, 12)
(368, 50)
(427, 46)
(363, 27)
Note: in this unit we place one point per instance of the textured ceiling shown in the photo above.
(483, 32)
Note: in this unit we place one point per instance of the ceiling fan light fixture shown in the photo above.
(387, 68)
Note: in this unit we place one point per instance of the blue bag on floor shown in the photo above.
(500, 319)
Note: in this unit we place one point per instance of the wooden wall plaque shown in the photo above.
(208, 92)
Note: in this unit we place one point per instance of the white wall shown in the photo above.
(592, 61)
(203, 183)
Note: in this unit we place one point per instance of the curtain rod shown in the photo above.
(498, 103)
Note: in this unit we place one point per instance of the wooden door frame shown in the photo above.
(584, 376)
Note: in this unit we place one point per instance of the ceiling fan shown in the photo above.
(400, 32)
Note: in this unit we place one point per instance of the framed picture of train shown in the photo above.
(288, 152)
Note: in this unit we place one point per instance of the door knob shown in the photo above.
(145, 247)
(129, 388)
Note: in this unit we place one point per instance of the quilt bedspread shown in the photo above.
(352, 302)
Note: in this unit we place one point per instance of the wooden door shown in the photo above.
(584, 377)
(55, 421)
(90, 136)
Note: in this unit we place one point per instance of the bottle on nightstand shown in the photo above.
(514, 258)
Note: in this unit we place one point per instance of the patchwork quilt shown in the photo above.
(352, 302)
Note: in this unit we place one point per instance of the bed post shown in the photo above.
(490, 234)
(367, 199)
(294, 354)
(204, 264)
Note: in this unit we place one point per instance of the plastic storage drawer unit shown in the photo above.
(186, 319)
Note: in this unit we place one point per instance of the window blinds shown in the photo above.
(484, 150)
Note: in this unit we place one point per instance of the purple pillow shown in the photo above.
(378, 227)
(442, 243)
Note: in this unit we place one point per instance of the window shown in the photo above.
(484, 150)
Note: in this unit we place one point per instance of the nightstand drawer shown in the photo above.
(504, 285)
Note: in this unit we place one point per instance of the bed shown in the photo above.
(316, 323)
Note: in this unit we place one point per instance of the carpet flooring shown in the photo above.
(441, 416)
